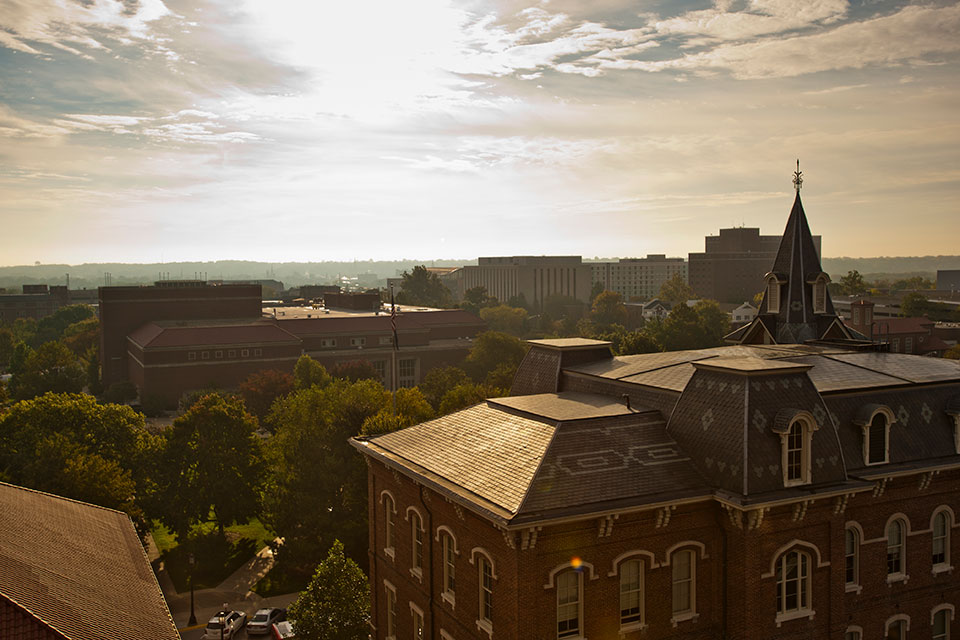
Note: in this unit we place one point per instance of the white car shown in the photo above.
(263, 620)
(233, 622)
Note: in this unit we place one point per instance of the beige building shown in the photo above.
(533, 277)
(639, 278)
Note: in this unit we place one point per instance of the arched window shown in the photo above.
(389, 509)
(797, 454)
(877, 445)
(853, 633)
(820, 293)
(941, 625)
(851, 548)
(896, 558)
(941, 539)
(897, 627)
(773, 294)
(793, 583)
(448, 545)
(569, 585)
(631, 592)
(485, 580)
(416, 535)
(684, 584)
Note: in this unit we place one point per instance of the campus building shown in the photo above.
(638, 278)
(807, 488)
(533, 277)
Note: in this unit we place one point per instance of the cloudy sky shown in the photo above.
(147, 130)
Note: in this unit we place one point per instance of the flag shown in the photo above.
(393, 320)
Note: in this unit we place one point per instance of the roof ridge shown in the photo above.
(59, 497)
(30, 611)
(536, 472)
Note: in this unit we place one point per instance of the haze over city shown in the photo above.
(166, 130)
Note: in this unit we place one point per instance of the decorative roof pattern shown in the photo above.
(78, 568)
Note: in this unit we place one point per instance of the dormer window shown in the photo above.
(773, 294)
(820, 293)
(795, 428)
(875, 421)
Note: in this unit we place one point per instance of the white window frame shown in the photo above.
(807, 425)
(416, 542)
(690, 612)
(897, 619)
(218, 354)
(640, 622)
(483, 561)
(900, 520)
(244, 353)
(386, 340)
(773, 294)
(803, 580)
(578, 577)
(908, 344)
(191, 355)
(418, 627)
(257, 353)
(358, 342)
(328, 343)
(948, 612)
(448, 560)
(853, 632)
(231, 353)
(889, 418)
(820, 287)
(854, 530)
(947, 514)
(389, 534)
(204, 355)
(391, 593)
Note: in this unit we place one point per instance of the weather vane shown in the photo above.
(798, 177)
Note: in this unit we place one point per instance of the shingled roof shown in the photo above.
(78, 569)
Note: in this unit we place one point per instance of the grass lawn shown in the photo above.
(216, 558)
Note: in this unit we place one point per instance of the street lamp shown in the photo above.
(193, 615)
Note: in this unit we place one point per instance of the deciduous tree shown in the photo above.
(50, 367)
(308, 373)
(852, 284)
(490, 349)
(676, 290)
(261, 388)
(423, 288)
(608, 309)
(506, 319)
(336, 603)
(439, 381)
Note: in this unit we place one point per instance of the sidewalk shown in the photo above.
(235, 591)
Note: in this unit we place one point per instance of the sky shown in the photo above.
(288, 130)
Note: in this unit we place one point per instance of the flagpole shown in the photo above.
(393, 352)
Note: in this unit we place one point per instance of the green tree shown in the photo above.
(308, 372)
(852, 284)
(439, 381)
(506, 319)
(51, 367)
(7, 344)
(83, 336)
(336, 603)
(316, 483)
(467, 394)
(94, 384)
(608, 309)
(490, 349)
(412, 408)
(260, 389)
(676, 290)
(680, 330)
(714, 322)
(914, 305)
(953, 353)
(53, 327)
(477, 298)
(211, 463)
(596, 290)
(423, 289)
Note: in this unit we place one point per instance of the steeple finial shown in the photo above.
(798, 177)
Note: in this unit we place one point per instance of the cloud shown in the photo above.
(71, 26)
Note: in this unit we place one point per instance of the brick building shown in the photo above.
(804, 490)
(900, 335)
(36, 301)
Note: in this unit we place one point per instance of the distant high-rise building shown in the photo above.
(638, 277)
(533, 277)
(732, 267)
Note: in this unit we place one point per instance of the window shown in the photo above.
(853, 634)
(897, 628)
(416, 534)
(245, 353)
(218, 354)
(326, 343)
(856, 316)
(449, 567)
(568, 604)
(895, 556)
(684, 596)
(232, 353)
(852, 557)
(257, 352)
(895, 345)
(381, 368)
(417, 622)
(391, 611)
(908, 344)
(820, 295)
(204, 355)
(877, 445)
(191, 355)
(796, 454)
(485, 575)
(388, 511)
(773, 295)
(940, 621)
(941, 540)
(357, 342)
(631, 593)
(386, 340)
(793, 583)
(407, 372)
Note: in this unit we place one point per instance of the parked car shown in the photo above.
(263, 620)
(233, 622)
(284, 631)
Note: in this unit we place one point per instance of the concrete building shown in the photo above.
(637, 278)
(777, 490)
(948, 280)
(533, 277)
(733, 264)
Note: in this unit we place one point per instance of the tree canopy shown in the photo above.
(260, 389)
(336, 603)
(423, 288)
(608, 309)
(490, 350)
(505, 319)
(308, 373)
(852, 284)
(676, 290)
(50, 367)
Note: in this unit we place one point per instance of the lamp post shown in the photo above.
(193, 615)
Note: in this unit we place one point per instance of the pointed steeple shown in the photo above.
(796, 304)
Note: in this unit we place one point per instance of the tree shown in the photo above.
(51, 367)
(412, 408)
(680, 330)
(596, 290)
(490, 349)
(506, 319)
(714, 322)
(852, 284)
(211, 462)
(83, 336)
(914, 305)
(608, 309)
(467, 394)
(94, 384)
(423, 289)
(676, 290)
(7, 344)
(53, 327)
(315, 482)
(439, 381)
(559, 306)
(336, 603)
(477, 298)
(70, 445)
(953, 353)
(260, 389)
(308, 372)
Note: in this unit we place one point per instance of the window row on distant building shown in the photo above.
(219, 354)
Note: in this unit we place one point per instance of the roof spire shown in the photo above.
(798, 177)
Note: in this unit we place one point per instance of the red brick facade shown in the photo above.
(735, 554)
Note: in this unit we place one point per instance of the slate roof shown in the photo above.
(78, 568)
(530, 458)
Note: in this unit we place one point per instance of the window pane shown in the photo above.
(878, 439)
(682, 581)
(568, 604)
(940, 626)
(940, 538)
(630, 591)
(850, 550)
